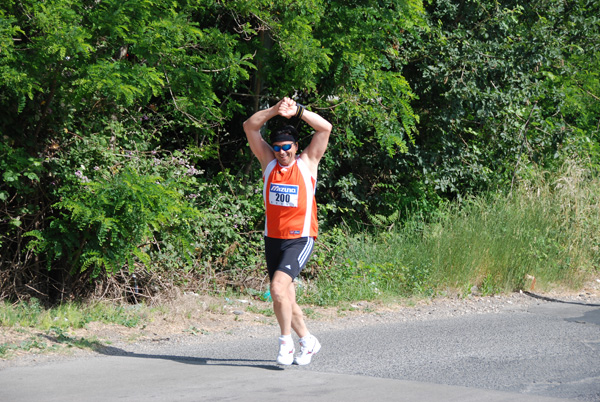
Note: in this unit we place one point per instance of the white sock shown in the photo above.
(287, 339)
(306, 337)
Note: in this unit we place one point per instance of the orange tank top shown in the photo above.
(290, 205)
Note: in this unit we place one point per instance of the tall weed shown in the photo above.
(546, 228)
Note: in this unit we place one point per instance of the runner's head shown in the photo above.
(285, 144)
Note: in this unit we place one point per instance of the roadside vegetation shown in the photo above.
(542, 236)
(49, 329)
(464, 158)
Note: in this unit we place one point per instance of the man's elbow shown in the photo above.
(248, 127)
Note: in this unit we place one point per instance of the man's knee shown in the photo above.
(280, 286)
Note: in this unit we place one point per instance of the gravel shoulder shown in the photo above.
(193, 319)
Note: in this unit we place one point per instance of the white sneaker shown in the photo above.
(308, 348)
(286, 352)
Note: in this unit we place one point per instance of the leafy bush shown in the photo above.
(19, 188)
(110, 111)
(107, 223)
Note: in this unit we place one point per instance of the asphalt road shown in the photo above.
(549, 351)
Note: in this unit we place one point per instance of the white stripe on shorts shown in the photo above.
(306, 251)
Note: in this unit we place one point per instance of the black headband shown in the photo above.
(280, 137)
(287, 133)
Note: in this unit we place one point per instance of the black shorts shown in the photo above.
(287, 255)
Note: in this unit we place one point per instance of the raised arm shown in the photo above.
(315, 150)
(252, 126)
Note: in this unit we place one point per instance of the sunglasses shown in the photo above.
(285, 147)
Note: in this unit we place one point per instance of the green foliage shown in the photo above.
(358, 280)
(122, 146)
(267, 312)
(18, 189)
(33, 342)
(347, 267)
(497, 84)
(366, 75)
(111, 222)
(495, 242)
(227, 236)
(21, 202)
(498, 243)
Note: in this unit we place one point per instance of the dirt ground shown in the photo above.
(209, 319)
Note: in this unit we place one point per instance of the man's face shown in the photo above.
(284, 156)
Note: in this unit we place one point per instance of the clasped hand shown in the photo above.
(287, 108)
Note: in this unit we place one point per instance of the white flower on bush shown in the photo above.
(81, 176)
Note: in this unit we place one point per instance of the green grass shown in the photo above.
(40, 344)
(548, 231)
(267, 312)
(36, 343)
(69, 315)
(57, 321)
(547, 228)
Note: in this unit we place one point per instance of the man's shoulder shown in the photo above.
(309, 164)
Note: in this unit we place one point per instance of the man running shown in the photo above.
(291, 215)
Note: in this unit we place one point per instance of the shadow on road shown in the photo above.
(578, 312)
(590, 317)
(266, 364)
(550, 299)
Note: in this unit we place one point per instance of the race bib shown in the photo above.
(285, 195)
